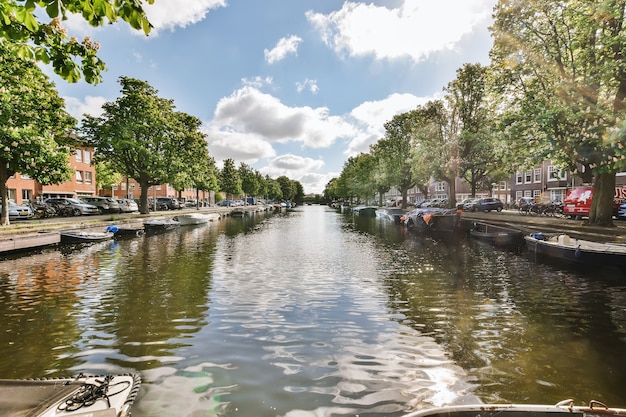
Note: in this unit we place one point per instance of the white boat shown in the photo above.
(580, 251)
(95, 396)
(563, 409)
(196, 218)
(70, 237)
(160, 225)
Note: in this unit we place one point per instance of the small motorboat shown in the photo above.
(71, 237)
(364, 211)
(432, 220)
(96, 396)
(125, 232)
(393, 214)
(565, 248)
(196, 218)
(160, 225)
(563, 409)
(497, 235)
(238, 212)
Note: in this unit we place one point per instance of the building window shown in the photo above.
(27, 195)
(528, 177)
(87, 177)
(519, 178)
(555, 174)
(79, 155)
(528, 193)
(79, 177)
(503, 186)
(536, 193)
(131, 186)
(440, 186)
(537, 175)
(518, 195)
(87, 157)
(123, 186)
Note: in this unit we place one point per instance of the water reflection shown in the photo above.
(312, 312)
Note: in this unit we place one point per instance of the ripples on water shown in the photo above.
(313, 313)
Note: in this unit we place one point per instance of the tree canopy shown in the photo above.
(144, 138)
(562, 77)
(34, 126)
(25, 34)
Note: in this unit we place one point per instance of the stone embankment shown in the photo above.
(35, 233)
(27, 234)
(553, 225)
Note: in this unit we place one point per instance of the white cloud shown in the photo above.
(371, 116)
(284, 47)
(300, 169)
(414, 30)
(169, 14)
(248, 148)
(90, 105)
(307, 84)
(249, 111)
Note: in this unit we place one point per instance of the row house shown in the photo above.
(544, 182)
(129, 188)
(82, 183)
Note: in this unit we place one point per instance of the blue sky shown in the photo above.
(290, 87)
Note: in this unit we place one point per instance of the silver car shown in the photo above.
(127, 205)
(73, 206)
(17, 211)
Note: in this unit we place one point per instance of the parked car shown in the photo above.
(17, 211)
(467, 201)
(621, 213)
(127, 205)
(104, 204)
(486, 204)
(72, 206)
(169, 202)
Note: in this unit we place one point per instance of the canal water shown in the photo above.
(314, 313)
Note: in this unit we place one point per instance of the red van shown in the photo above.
(578, 201)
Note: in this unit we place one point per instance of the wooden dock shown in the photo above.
(29, 241)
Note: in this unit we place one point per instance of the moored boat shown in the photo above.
(364, 211)
(393, 214)
(566, 248)
(96, 396)
(72, 237)
(432, 220)
(496, 235)
(160, 225)
(124, 232)
(562, 409)
(189, 219)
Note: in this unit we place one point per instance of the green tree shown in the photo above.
(249, 180)
(299, 195)
(141, 136)
(479, 161)
(34, 126)
(273, 189)
(562, 71)
(106, 176)
(32, 39)
(395, 151)
(287, 187)
(229, 180)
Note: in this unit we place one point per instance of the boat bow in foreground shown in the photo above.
(94, 396)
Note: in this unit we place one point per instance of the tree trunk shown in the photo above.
(143, 200)
(404, 192)
(601, 213)
(4, 193)
(452, 196)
